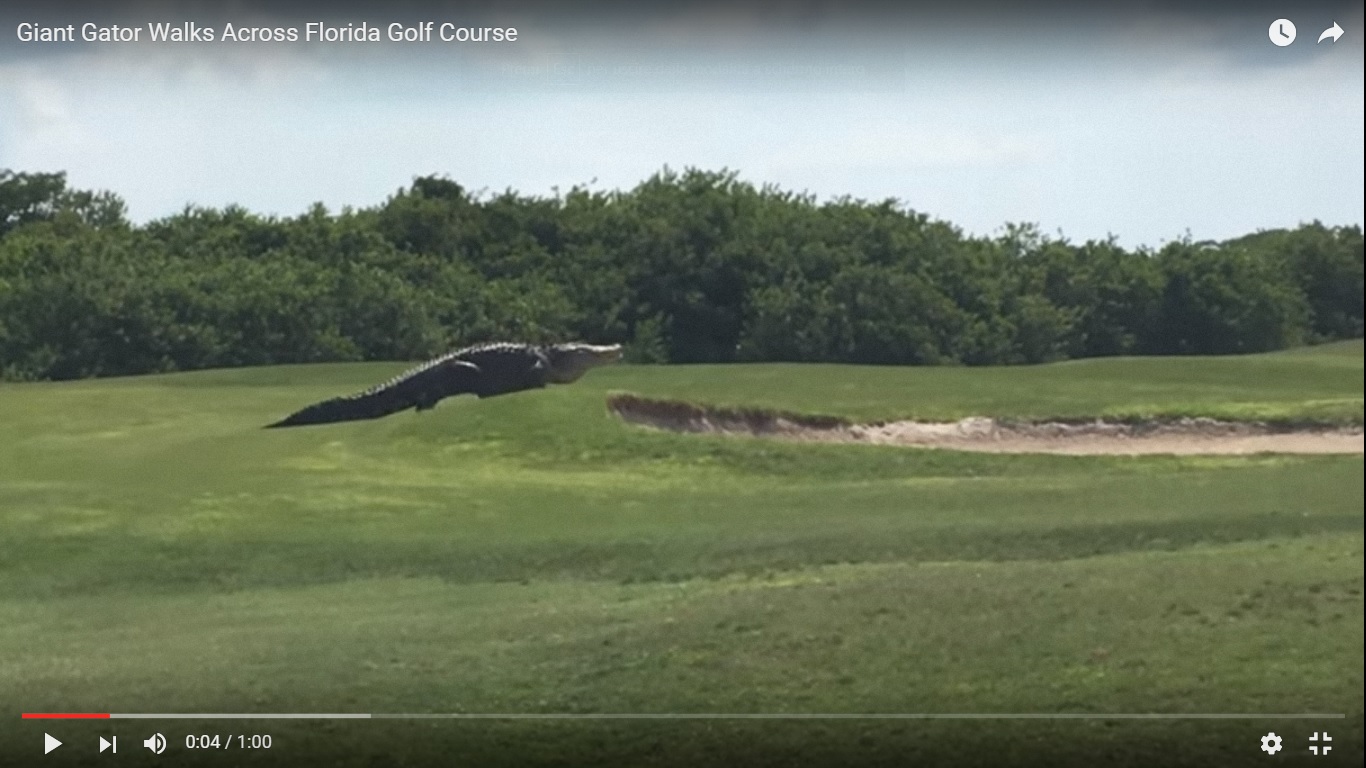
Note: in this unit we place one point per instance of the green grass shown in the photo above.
(1314, 384)
(161, 552)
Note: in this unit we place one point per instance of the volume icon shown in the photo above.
(155, 743)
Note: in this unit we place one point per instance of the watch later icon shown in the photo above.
(1281, 32)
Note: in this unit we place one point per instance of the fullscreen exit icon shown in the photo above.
(1320, 745)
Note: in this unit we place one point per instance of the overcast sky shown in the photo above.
(1142, 123)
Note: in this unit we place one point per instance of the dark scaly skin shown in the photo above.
(484, 370)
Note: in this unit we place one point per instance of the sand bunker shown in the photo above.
(1177, 436)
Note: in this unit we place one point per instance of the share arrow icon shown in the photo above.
(1334, 32)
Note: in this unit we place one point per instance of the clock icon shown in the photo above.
(1282, 32)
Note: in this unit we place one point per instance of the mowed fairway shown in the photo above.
(160, 552)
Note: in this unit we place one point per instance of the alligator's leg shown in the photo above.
(428, 400)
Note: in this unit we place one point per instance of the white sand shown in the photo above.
(1183, 436)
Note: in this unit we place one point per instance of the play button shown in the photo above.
(49, 743)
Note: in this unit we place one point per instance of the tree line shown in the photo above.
(687, 267)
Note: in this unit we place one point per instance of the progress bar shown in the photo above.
(679, 716)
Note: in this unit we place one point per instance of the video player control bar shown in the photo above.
(680, 716)
(195, 716)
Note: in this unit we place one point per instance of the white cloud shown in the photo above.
(911, 148)
(1114, 143)
(42, 108)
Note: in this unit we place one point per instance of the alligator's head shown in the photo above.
(569, 362)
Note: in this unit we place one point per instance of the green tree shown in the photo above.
(688, 266)
(32, 197)
(1225, 301)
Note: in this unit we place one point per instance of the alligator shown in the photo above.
(485, 370)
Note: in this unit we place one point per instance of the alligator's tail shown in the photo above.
(328, 412)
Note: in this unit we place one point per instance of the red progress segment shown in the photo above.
(65, 715)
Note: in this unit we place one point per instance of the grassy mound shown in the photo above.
(162, 552)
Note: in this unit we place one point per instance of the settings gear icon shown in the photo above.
(1271, 743)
